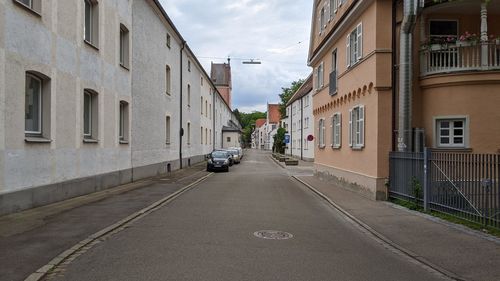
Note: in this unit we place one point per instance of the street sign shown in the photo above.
(287, 138)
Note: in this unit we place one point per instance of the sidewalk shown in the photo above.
(457, 251)
(461, 253)
(32, 238)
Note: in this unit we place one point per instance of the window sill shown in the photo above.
(123, 142)
(454, 149)
(37, 140)
(31, 10)
(91, 44)
(124, 67)
(357, 147)
(90, 141)
(336, 147)
(321, 146)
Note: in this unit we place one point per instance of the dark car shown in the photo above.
(218, 160)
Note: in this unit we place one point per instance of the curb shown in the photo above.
(384, 239)
(42, 271)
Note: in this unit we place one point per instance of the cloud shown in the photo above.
(260, 29)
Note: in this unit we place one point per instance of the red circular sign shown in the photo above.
(310, 138)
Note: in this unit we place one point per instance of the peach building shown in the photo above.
(440, 65)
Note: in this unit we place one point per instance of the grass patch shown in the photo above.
(473, 225)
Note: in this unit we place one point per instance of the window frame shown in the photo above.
(93, 37)
(93, 119)
(167, 130)
(38, 133)
(34, 6)
(124, 47)
(357, 121)
(168, 80)
(321, 133)
(354, 46)
(337, 130)
(465, 131)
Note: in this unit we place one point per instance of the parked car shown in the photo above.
(219, 160)
(240, 150)
(236, 155)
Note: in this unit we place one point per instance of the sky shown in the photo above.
(276, 32)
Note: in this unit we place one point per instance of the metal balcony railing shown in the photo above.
(449, 58)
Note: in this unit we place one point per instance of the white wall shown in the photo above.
(299, 146)
(52, 44)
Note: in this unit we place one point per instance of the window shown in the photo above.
(124, 46)
(188, 133)
(442, 29)
(201, 105)
(123, 126)
(91, 27)
(206, 108)
(206, 136)
(167, 130)
(168, 40)
(321, 133)
(90, 115)
(357, 127)
(33, 106)
(189, 65)
(34, 5)
(210, 111)
(201, 79)
(336, 130)
(306, 122)
(210, 138)
(228, 139)
(333, 75)
(201, 135)
(167, 80)
(451, 132)
(189, 95)
(319, 76)
(322, 22)
(355, 46)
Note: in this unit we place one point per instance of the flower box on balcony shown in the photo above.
(466, 43)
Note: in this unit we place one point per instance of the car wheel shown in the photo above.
(227, 169)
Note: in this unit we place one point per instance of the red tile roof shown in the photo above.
(273, 113)
(259, 123)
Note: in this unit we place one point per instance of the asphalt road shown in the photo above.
(208, 234)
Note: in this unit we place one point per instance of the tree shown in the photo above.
(247, 121)
(279, 141)
(287, 93)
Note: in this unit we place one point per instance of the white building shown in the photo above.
(92, 96)
(271, 126)
(299, 122)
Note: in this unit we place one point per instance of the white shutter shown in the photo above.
(350, 128)
(316, 78)
(339, 119)
(348, 50)
(322, 75)
(359, 34)
(362, 126)
(333, 130)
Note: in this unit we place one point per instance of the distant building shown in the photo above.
(299, 122)
(258, 134)
(220, 74)
(271, 126)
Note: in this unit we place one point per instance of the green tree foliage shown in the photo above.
(279, 141)
(287, 93)
(247, 121)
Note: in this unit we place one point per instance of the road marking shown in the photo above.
(114, 228)
(386, 242)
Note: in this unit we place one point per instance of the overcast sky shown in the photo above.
(269, 30)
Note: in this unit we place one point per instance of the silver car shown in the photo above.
(236, 155)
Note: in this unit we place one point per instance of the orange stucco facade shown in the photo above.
(468, 95)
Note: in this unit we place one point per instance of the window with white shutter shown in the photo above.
(357, 127)
(336, 130)
(354, 46)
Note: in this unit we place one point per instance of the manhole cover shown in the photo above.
(272, 234)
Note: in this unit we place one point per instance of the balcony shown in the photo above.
(459, 57)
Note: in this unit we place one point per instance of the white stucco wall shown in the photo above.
(294, 120)
(52, 44)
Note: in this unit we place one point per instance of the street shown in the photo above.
(208, 234)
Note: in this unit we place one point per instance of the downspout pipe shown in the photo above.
(302, 128)
(213, 117)
(181, 129)
(393, 75)
(410, 10)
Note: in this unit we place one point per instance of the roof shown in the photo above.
(273, 113)
(260, 122)
(230, 129)
(220, 74)
(305, 89)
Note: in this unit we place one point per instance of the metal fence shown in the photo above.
(465, 185)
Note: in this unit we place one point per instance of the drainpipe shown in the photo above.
(181, 129)
(393, 75)
(291, 129)
(213, 117)
(410, 8)
(301, 128)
